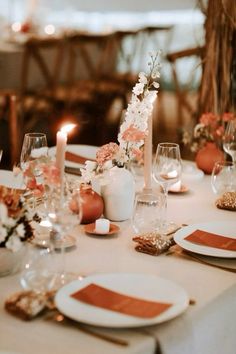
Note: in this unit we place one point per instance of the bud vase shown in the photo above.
(118, 192)
(208, 156)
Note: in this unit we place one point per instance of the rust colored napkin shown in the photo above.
(70, 156)
(212, 240)
(98, 296)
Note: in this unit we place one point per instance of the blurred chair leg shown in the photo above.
(14, 131)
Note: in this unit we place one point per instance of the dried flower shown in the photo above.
(211, 128)
(15, 225)
(135, 126)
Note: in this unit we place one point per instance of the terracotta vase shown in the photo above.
(91, 203)
(208, 156)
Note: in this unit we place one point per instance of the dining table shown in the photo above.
(206, 326)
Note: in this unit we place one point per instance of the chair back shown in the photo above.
(43, 56)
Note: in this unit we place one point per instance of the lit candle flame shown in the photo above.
(67, 128)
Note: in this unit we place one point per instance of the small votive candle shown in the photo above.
(176, 187)
(102, 226)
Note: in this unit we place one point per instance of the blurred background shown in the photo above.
(67, 60)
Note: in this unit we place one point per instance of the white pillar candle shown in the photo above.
(102, 226)
(61, 151)
(148, 157)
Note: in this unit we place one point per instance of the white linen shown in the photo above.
(205, 328)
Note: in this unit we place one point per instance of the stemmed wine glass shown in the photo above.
(229, 143)
(34, 147)
(167, 171)
(63, 220)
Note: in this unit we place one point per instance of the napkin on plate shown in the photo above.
(72, 157)
(99, 296)
(212, 240)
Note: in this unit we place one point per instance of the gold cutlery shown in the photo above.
(58, 317)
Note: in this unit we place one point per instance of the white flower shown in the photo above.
(10, 222)
(138, 88)
(3, 213)
(156, 84)
(107, 165)
(14, 243)
(3, 233)
(142, 78)
(90, 165)
(20, 230)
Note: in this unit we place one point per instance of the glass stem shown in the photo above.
(164, 216)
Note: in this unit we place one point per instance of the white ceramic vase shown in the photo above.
(118, 192)
(11, 262)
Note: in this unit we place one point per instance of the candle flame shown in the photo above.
(67, 128)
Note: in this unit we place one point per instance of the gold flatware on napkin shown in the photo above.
(221, 263)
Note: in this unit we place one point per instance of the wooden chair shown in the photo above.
(93, 79)
(41, 77)
(10, 114)
(182, 91)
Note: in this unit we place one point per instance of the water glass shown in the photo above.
(229, 142)
(39, 272)
(223, 178)
(148, 212)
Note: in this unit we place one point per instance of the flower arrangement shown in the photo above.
(15, 225)
(133, 130)
(210, 128)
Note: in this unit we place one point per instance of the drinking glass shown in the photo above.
(229, 142)
(1, 155)
(63, 220)
(34, 147)
(223, 177)
(147, 214)
(167, 171)
(39, 273)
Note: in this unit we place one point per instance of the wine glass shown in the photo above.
(34, 147)
(167, 171)
(223, 177)
(147, 214)
(63, 220)
(229, 142)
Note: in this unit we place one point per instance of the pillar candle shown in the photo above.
(60, 151)
(148, 157)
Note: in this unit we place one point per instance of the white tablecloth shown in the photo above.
(208, 327)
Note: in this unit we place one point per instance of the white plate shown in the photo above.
(148, 287)
(88, 151)
(9, 180)
(224, 228)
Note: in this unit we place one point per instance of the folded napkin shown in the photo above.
(99, 296)
(70, 156)
(212, 240)
(153, 243)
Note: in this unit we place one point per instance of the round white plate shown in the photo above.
(224, 228)
(88, 151)
(9, 180)
(148, 287)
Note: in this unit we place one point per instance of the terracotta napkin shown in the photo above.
(70, 156)
(99, 296)
(212, 240)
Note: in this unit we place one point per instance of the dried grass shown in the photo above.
(217, 87)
